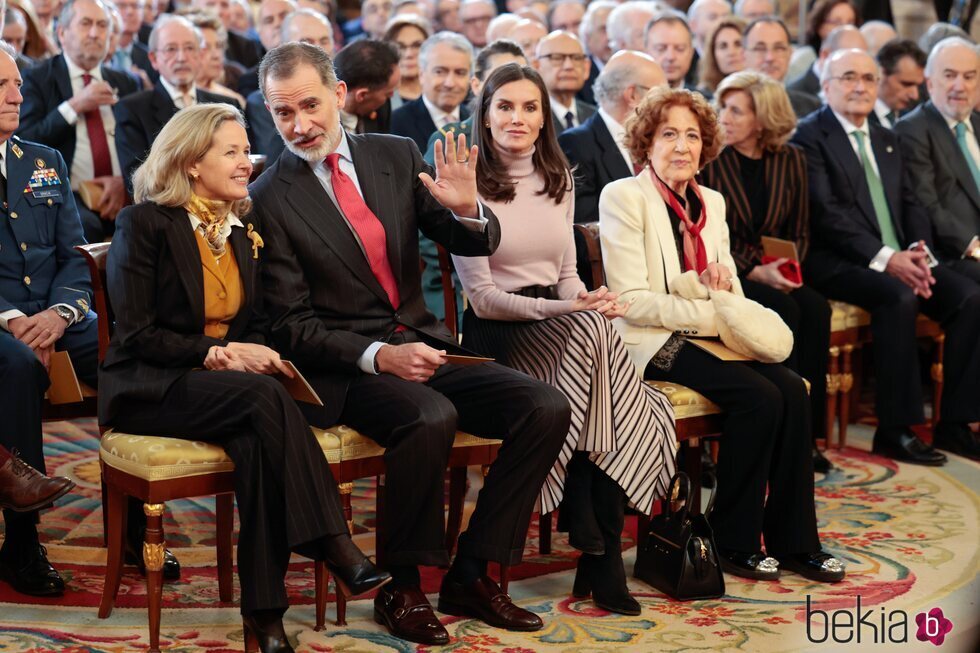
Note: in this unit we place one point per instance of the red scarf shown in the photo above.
(695, 256)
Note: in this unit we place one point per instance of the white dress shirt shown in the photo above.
(971, 137)
(346, 165)
(82, 165)
(180, 101)
(882, 110)
(559, 110)
(439, 117)
(6, 316)
(880, 260)
(618, 133)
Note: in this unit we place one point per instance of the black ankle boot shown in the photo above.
(604, 575)
(354, 573)
(264, 632)
(577, 514)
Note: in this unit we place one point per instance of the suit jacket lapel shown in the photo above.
(952, 153)
(374, 175)
(661, 222)
(840, 145)
(315, 208)
(163, 108)
(889, 168)
(611, 157)
(730, 168)
(774, 168)
(241, 246)
(187, 259)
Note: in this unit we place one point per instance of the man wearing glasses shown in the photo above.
(175, 51)
(564, 67)
(68, 103)
(871, 248)
(475, 17)
(767, 50)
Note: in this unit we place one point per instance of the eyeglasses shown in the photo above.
(172, 50)
(851, 79)
(558, 58)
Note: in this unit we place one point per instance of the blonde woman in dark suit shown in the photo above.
(764, 181)
(188, 356)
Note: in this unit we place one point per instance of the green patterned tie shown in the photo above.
(961, 141)
(888, 235)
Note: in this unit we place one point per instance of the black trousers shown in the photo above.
(765, 442)
(955, 303)
(287, 498)
(807, 314)
(24, 381)
(416, 423)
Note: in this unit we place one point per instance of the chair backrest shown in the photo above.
(95, 256)
(589, 237)
(448, 291)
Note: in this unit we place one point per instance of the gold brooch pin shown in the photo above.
(256, 239)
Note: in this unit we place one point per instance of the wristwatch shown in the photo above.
(64, 313)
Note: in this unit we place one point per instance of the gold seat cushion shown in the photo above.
(686, 402)
(838, 317)
(156, 458)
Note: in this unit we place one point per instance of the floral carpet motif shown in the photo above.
(908, 535)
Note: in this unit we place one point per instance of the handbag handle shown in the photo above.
(679, 491)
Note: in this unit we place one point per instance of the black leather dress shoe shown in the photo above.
(407, 614)
(757, 565)
(821, 567)
(264, 633)
(484, 600)
(957, 438)
(171, 566)
(820, 463)
(354, 573)
(905, 446)
(32, 573)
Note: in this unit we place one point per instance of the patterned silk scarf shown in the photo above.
(213, 215)
(695, 256)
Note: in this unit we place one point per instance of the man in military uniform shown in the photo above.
(45, 296)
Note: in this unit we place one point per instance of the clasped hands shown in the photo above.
(40, 332)
(911, 267)
(455, 184)
(245, 357)
(601, 300)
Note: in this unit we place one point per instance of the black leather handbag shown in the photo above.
(679, 557)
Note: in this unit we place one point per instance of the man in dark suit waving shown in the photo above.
(871, 248)
(596, 147)
(68, 105)
(341, 215)
(939, 142)
(175, 51)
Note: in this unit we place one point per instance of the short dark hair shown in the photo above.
(897, 49)
(492, 179)
(500, 46)
(818, 15)
(768, 20)
(366, 63)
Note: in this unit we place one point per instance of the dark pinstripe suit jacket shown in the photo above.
(325, 304)
(156, 290)
(788, 216)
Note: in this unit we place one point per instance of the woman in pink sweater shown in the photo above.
(529, 310)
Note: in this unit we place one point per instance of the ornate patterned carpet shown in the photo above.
(908, 534)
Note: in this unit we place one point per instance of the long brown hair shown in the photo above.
(492, 179)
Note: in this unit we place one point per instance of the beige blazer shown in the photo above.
(640, 257)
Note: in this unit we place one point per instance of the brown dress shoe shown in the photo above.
(24, 489)
(484, 600)
(407, 614)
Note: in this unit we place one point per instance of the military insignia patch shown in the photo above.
(19, 153)
(82, 304)
(41, 182)
(39, 162)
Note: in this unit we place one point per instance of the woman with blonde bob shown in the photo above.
(724, 53)
(188, 357)
(655, 227)
(764, 180)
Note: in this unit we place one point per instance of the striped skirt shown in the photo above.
(626, 425)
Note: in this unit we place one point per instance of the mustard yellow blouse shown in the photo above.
(223, 291)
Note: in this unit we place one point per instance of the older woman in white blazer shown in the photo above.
(654, 227)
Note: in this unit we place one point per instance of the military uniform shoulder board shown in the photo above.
(15, 148)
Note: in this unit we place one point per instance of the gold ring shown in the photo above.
(466, 160)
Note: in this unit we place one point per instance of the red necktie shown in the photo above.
(367, 226)
(101, 159)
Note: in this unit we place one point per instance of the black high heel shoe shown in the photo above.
(353, 572)
(596, 577)
(264, 633)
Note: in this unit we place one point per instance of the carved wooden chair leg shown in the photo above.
(225, 516)
(345, 490)
(153, 559)
(321, 576)
(833, 387)
(846, 383)
(937, 376)
(457, 501)
(114, 503)
(544, 532)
